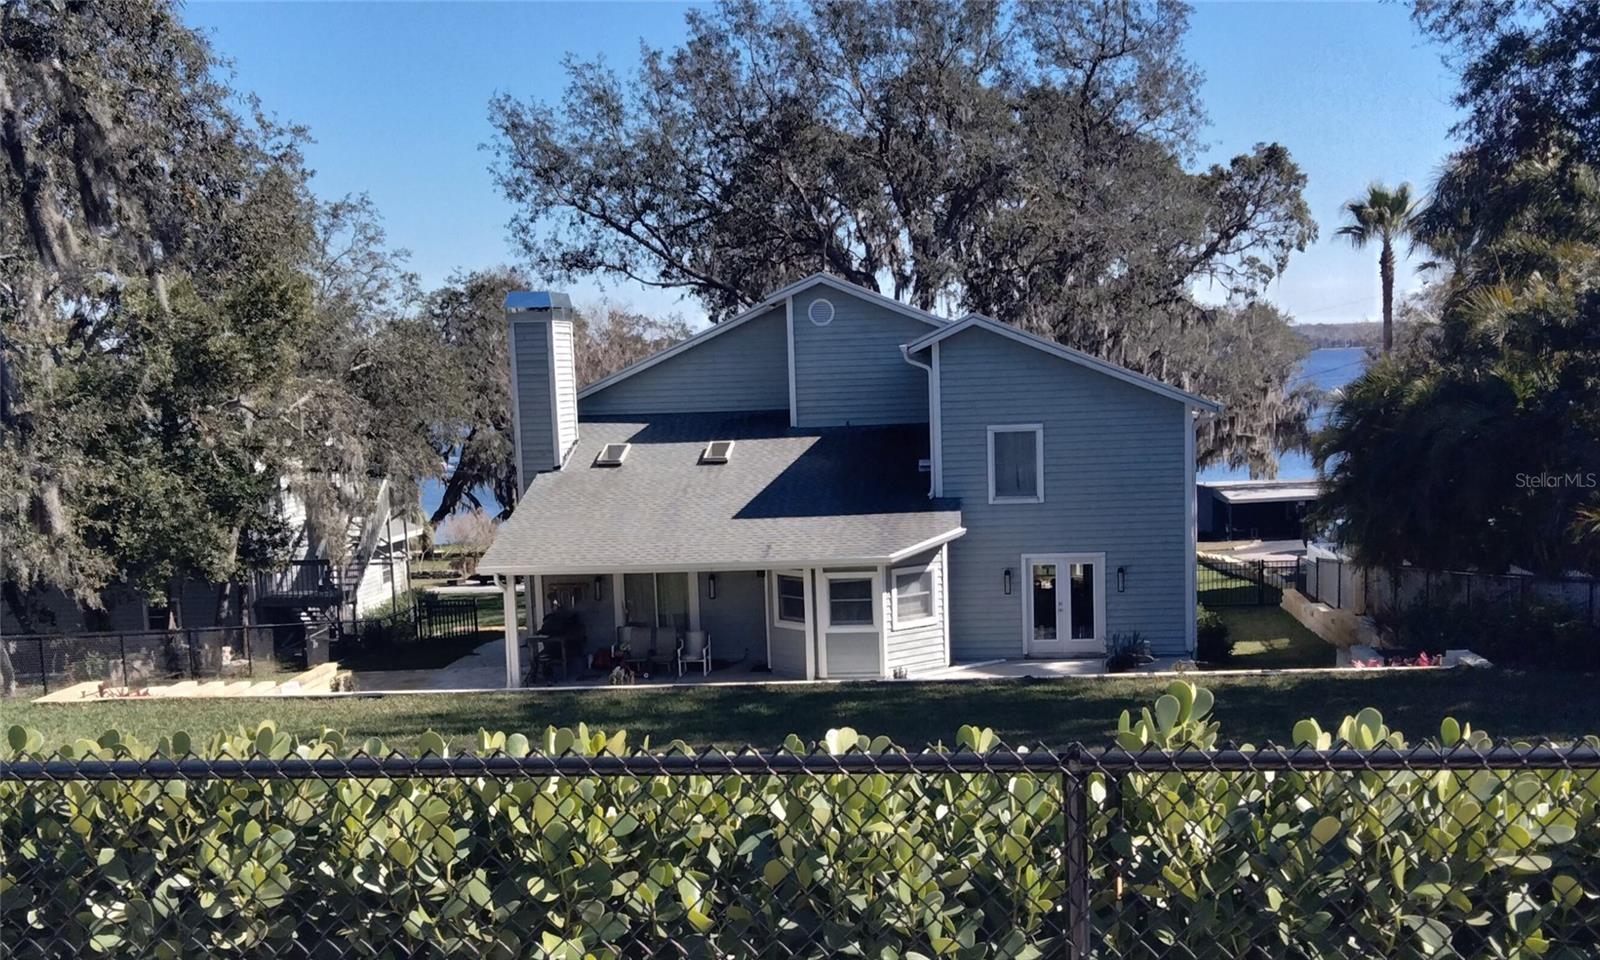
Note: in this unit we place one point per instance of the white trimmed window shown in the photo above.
(1016, 463)
(791, 599)
(850, 603)
(913, 596)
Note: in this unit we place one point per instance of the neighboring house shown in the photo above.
(312, 585)
(844, 486)
(369, 571)
(1256, 509)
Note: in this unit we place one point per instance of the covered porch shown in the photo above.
(783, 548)
(879, 617)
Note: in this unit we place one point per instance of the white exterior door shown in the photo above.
(1063, 600)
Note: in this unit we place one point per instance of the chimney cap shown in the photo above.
(537, 300)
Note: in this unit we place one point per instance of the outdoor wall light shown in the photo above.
(711, 585)
(1008, 581)
(1122, 579)
(599, 583)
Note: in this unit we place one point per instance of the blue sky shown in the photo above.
(396, 98)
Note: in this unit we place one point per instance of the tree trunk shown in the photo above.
(26, 616)
(22, 612)
(455, 486)
(1386, 274)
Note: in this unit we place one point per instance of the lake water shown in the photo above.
(1328, 368)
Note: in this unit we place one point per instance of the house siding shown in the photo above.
(1115, 483)
(746, 368)
(918, 647)
(530, 348)
(375, 590)
(566, 385)
(736, 619)
(851, 370)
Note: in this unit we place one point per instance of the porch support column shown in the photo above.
(508, 599)
(534, 601)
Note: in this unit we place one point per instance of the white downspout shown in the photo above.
(934, 483)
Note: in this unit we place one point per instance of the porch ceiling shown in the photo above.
(786, 497)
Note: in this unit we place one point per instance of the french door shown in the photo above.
(1064, 601)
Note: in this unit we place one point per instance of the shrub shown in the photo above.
(1213, 642)
(1210, 864)
(1127, 651)
(1518, 631)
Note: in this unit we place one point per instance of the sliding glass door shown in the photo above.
(664, 601)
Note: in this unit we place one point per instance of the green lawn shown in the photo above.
(491, 612)
(1267, 638)
(1558, 704)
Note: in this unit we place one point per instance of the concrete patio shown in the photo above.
(484, 669)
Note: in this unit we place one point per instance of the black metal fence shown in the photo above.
(50, 661)
(442, 616)
(427, 617)
(1473, 851)
(1224, 582)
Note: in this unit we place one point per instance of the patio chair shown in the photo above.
(695, 647)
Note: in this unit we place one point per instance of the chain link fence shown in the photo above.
(1472, 851)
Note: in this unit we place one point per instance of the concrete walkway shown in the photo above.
(482, 669)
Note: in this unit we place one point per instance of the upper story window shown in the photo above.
(1016, 463)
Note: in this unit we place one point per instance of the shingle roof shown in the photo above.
(786, 497)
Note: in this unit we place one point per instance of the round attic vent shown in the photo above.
(820, 312)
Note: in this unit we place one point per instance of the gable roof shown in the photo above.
(979, 322)
(767, 303)
(786, 497)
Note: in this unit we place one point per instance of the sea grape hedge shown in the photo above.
(1483, 864)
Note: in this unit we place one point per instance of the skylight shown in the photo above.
(612, 455)
(717, 451)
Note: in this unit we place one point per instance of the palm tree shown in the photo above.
(1383, 215)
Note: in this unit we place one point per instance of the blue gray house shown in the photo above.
(844, 486)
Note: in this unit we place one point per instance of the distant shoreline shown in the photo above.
(1362, 333)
